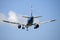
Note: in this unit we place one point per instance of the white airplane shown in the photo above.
(29, 22)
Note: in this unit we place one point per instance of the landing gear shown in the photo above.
(23, 27)
(27, 29)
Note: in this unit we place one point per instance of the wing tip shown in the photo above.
(53, 20)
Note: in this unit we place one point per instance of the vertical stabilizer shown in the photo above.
(31, 10)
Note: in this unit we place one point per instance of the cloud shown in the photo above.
(12, 16)
(15, 17)
(2, 17)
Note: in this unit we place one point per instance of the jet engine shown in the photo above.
(36, 26)
(19, 26)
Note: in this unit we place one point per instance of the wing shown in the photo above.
(13, 22)
(47, 21)
(10, 22)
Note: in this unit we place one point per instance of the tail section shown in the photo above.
(37, 16)
(31, 15)
(31, 11)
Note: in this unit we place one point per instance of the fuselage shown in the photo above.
(30, 21)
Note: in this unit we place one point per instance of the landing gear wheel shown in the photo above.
(23, 27)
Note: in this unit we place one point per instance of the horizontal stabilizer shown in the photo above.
(25, 17)
(37, 16)
(30, 17)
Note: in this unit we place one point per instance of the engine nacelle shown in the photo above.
(36, 26)
(19, 26)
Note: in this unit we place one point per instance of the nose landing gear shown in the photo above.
(23, 27)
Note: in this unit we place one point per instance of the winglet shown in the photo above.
(52, 20)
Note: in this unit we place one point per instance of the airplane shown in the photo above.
(29, 22)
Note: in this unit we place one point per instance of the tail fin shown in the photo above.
(32, 14)
(31, 10)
